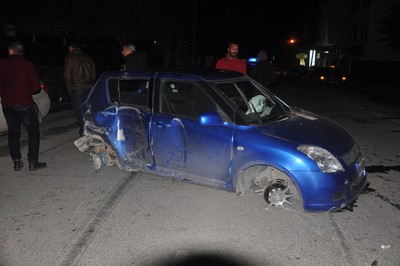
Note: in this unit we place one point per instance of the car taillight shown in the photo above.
(43, 87)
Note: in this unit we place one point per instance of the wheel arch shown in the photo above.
(255, 177)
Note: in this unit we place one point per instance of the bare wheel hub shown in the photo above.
(277, 194)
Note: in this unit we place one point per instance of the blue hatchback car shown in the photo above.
(221, 129)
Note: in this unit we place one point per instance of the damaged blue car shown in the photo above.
(221, 129)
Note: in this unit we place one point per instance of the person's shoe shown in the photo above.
(18, 165)
(34, 165)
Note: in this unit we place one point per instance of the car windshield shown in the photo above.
(253, 103)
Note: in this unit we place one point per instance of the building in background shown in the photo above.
(350, 36)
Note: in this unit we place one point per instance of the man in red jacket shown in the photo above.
(18, 81)
(231, 61)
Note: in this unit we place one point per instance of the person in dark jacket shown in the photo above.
(131, 60)
(79, 76)
(263, 72)
(18, 81)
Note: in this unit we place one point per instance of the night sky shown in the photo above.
(253, 26)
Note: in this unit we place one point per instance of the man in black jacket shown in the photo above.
(80, 75)
(131, 60)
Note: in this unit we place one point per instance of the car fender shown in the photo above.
(238, 171)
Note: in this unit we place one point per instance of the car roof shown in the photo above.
(190, 73)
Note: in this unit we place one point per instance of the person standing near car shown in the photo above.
(18, 81)
(79, 76)
(131, 60)
(263, 72)
(231, 61)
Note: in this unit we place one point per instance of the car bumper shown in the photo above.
(331, 192)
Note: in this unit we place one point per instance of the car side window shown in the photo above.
(128, 91)
(229, 90)
(247, 98)
(185, 99)
(112, 87)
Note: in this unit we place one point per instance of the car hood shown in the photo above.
(303, 127)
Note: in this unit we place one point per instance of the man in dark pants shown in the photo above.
(18, 80)
(79, 75)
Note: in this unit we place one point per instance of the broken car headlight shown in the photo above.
(323, 158)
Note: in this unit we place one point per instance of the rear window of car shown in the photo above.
(128, 91)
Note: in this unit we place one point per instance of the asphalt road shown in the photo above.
(70, 214)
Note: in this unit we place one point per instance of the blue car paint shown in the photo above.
(280, 150)
(215, 154)
(182, 146)
(304, 127)
(130, 137)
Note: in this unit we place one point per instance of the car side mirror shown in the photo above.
(210, 119)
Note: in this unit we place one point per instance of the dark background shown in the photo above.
(173, 32)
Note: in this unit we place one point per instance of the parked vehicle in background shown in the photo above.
(42, 107)
(53, 77)
(278, 71)
(327, 76)
(251, 62)
(293, 71)
(221, 129)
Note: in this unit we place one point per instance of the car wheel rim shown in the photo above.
(277, 194)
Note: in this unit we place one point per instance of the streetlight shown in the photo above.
(291, 50)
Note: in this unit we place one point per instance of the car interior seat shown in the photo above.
(176, 96)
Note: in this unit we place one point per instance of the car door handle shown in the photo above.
(162, 124)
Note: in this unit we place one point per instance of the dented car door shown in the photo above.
(183, 147)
